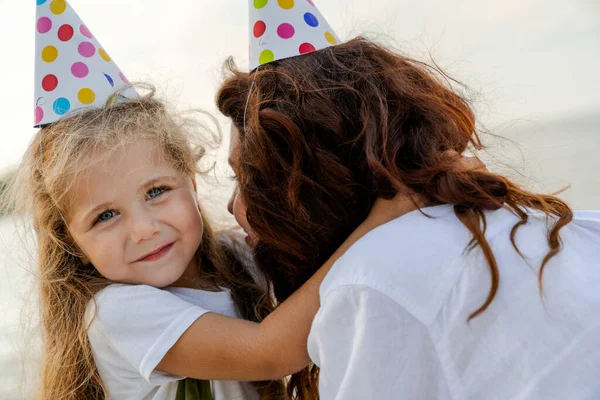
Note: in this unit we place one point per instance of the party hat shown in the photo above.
(282, 29)
(72, 69)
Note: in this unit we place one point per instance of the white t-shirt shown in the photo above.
(394, 308)
(135, 326)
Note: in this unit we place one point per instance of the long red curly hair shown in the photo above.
(326, 134)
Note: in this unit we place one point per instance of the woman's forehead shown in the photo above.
(234, 145)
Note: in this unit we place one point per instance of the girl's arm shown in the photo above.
(216, 347)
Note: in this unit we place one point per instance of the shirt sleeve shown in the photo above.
(369, 347)
(139, 324)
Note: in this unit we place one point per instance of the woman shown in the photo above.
(478, 289)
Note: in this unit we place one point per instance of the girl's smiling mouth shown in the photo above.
(156, 254)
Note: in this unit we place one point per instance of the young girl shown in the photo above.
(132, 276)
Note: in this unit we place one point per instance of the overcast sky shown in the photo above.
(527, 59)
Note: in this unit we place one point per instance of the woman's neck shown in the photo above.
(386, 210)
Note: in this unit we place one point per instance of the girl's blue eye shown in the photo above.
(105, 216)
(155, 192)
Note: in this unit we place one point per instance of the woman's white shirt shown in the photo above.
(394, 309)
(135, 326)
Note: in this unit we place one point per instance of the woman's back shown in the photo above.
(406, 290)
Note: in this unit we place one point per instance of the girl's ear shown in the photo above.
(84, 260)
(79, 253)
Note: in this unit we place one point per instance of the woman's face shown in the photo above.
(236, 205)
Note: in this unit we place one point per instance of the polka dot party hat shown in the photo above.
(282, 29)
(72, 69)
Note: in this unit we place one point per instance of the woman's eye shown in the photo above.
(105, 216)
(155, 192)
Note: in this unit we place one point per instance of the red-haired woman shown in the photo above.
(475, 289)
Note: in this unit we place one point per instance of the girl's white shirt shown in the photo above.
(135, 326)
(394, 309)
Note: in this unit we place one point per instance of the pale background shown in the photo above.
(531, 65)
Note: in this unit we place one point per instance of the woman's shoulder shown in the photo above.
(587, 218)
(419, 257)
(411, 259)
(415, 259)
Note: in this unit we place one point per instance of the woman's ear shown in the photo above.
(465, 162)
(472, 163)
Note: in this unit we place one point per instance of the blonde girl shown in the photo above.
(133, 279)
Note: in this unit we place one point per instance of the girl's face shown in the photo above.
(136, 219)
(236, 205)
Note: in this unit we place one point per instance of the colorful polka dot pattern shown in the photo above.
(259, 29)
(110, 80)
(86, 96)
(258, 4)
(58, 6)
(311, 20)
(85, 31)
(282, 29)
(65, 33)
(80, 70)
(72, 69)
(44, 24)
(266, 56)
(285, 31)
(306, 48)
(286, 4)
(86, 49)
(104, 55)
(49, 54)
(330, 38)
(61, 106)
(50, 82)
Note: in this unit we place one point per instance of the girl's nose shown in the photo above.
(144, 225)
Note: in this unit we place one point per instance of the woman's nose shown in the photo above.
(231, 201)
